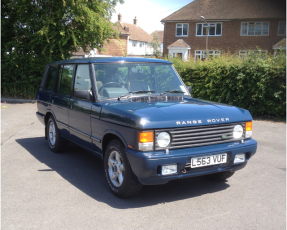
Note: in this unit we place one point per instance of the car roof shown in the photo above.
(111, 60)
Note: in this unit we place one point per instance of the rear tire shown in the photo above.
(220, 176)
(118, 171)
(56, 142)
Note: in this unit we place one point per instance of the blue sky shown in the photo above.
(148, 12)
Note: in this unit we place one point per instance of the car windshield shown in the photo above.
(116, 80)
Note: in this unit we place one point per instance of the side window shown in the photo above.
(82, 79)
(51, 78)
(65, 79)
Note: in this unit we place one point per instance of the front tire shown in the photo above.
(221, 176)
(118, 171)
(56, 142)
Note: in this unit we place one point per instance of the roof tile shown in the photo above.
(136, 33)
(180, 43)
(230, 9)
(159, 33)
(280, 44)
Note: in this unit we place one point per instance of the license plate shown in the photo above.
(208, 160)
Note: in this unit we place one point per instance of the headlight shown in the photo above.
(237, 131)
(163, 139)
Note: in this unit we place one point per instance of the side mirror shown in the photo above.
(189, 89)
(83, 94)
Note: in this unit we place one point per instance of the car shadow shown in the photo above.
(85, 171)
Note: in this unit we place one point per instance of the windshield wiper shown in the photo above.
(171, 91)
(135, 92)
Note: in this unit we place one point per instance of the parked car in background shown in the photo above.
(137, 115)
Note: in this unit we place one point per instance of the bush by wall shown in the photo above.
(254, 83)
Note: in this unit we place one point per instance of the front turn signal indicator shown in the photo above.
(145, 137)
(145, 141)
(248, 126)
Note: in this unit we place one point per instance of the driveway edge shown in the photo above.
(16, 101)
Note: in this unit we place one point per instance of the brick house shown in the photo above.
(234, 26)
(137, 38)
(133, 41)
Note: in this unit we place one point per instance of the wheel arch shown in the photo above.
(110, 135)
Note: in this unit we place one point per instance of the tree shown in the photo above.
(37, 32)
(155, 45)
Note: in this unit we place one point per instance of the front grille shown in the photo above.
(200, 135)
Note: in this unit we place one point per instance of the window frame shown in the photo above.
(254, 28)
(279, 29)
(74, 80)
(59, 77)
(249, 52)
(203, 53)
(56, 80)
(208, 29)
(182, 29)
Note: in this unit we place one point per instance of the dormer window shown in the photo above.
(181, 29)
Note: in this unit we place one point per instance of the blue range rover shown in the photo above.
(137, 115)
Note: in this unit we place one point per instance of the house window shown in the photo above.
(214, 29)
(134, 44)
(282, 28)
(181, 29)
(254, 28)
(245, 53)
(201, 54)
(141, 45)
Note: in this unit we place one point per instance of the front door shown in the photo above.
(179, 55)
(80, 108)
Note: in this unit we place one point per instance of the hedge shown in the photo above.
(257, 84)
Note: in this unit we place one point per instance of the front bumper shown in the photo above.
(147, 165)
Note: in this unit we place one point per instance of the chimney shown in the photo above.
(136, 21)
(120, 17)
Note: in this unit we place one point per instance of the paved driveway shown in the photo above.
(44, 190)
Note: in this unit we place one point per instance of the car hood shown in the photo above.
(188, 112)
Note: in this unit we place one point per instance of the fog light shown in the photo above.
(239, 158)
(169, 169)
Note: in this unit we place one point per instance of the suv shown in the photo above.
(137, 115)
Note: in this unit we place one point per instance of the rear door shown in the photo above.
(60, 99)
(80, 107)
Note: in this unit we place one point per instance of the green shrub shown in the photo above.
(257, 84)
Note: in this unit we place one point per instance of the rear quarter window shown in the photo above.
(65, 79)
(51, 78)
